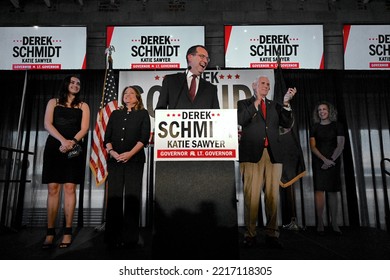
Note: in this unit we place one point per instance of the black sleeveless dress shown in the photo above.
(57, 168)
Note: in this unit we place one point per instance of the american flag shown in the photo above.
(98, 162)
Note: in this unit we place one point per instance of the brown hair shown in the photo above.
(140, 104)
(331, 108)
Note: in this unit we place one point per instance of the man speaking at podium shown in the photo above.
(177, 92)
(195, 213)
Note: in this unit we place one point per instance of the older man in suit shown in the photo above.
(260, 156)
(175, 92)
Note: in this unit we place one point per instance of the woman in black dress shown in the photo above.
(67, 122)
(327, 144)
(127, 133)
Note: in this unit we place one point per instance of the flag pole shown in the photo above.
(109, 62)
(292, 170)
(108, 53)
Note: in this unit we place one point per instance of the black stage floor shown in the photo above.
(303, 244)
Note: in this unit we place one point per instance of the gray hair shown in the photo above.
(256, 81)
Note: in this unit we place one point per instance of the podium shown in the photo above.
(195, 205)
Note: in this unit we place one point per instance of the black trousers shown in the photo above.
(123, 202)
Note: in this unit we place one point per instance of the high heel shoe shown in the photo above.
(64, 245)
(49, 245)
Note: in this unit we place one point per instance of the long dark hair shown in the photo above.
(64, 90)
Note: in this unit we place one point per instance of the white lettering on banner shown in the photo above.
(155, 66)
(379, 65)
(219, 153)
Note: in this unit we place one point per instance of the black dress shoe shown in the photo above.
(273, 242)
(249, 242)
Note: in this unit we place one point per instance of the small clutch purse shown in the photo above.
(76, 151)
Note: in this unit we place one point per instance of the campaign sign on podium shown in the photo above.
(196, 135)
(195, 211)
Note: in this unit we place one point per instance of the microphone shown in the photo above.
(182, 85)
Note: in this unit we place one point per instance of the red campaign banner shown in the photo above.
(36, 66)
(380, 65)
(140, 66)
(290, 65)
(190, 153)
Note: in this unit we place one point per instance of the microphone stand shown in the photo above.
(182, 86)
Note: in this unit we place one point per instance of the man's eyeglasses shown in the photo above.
(202, 56)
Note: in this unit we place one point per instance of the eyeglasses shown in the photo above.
(202, 56)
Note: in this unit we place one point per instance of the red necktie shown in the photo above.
(264, 111)
(193, 87)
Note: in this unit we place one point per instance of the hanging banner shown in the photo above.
(299, 46)
(367, 47)
(196, 135)
(153, 47)
(43, 48)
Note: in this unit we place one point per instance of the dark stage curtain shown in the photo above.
(367, 111)
(362, 101)
(10, 143)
